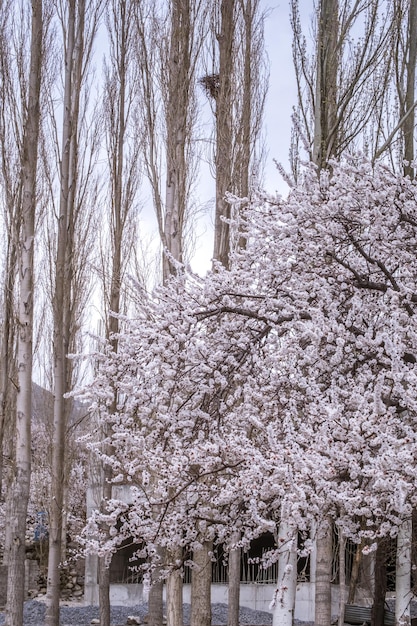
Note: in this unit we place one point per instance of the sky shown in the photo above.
(282, 93)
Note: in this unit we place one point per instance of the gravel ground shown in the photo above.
(73, 615)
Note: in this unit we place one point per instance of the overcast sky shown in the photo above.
(282, 90)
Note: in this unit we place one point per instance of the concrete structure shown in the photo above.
(253, 596)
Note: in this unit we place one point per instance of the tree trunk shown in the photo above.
(323, 598)
(201, 586)
(403, 575)
(7, 351)
(19, 492)
(177, 124)
(174, 592)
(409, 124)
(284, 600)
(234, 583)
(354, 576)
(62, 304)
(325, 112)
(342, 577)
(103, 591)
(224, 132)
(380, 588)
(155, 604)
(414, 551)
(103, 566)
(117, 108)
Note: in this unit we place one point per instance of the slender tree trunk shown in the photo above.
(201, 586)
(103, 592)
(174, 593)
(325, 127)
(324, 546)
(234, 583)
(409, 124)
(61, 305)
(117, 106)
(342, 577)
(155, 604)
(380, 588)
(354, 577)
(178, 123)
(403, 575)
(19, 492)
(224, 132)
(7, 351)
(414, 551)
(9, 116)
(284, 600)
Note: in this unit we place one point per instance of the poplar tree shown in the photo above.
(123, 167)
(19, 490)
(79, 24)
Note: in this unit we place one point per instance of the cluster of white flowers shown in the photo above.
(289, 378)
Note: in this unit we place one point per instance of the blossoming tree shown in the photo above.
(281, 391)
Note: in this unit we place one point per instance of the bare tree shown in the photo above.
(11, 139)
(73, 16)
(19, 492)
(168, 48)
(224, 130)
(123, 147)
(237, 92)
(338, 93)
(405, 57)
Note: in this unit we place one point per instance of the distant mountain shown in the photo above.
(43, 406)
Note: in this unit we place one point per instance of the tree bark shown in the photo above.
(403, 575)
(155, 604)
(409, 124)
(234, 583)
(324, 547)
(224, 132)
(19, 492)
(284, 600)
(414, 551)
(60, 343)
(174, 592)
(380, 588)
(354, 576)
(325, 111)
(103, 591)
(342, 577)
(177, 123)
(201, 586)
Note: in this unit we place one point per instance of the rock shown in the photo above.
(132, 620)
(78, 593)
(95, 620)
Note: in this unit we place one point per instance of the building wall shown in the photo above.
(253, 596)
